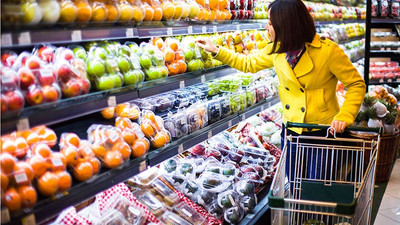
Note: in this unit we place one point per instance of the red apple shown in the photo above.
(46, 77)
(8, 59)
(33, 63)
(4, 104)
(67, 54)
(64, 72)
(198, 149)
(71, 89)
(50, 93)
(26, 77)
(15, 100)
(34, 96)
(46, 53)
(9, 80)
(85, 86)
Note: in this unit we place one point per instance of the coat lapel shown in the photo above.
(282, 65)
(304, 66)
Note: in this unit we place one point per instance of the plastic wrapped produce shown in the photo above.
(176, 124)
(214, 110)
(153, 128)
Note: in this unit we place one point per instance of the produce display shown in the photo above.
(385, 8)
(354, 49)
(381, 71)
(342, 32)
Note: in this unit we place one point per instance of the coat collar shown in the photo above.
(316, 42)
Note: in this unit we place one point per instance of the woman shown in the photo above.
(308, 68)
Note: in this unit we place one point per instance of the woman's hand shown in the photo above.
(207, 45)
(338, 125)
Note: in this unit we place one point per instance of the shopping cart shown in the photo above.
(328, 180)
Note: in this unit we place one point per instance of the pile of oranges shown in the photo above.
(153, 128)
(79, 156)
(125, 110)
(173, 54)
(213, 10)
(133, 136)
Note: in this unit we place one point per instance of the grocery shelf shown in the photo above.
(384, 82)
(385, 21)
(261, 208)
(66, 109)
(351, 39)
(379, 53)
(321, 23)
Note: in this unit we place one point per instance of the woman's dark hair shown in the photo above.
(292, 23)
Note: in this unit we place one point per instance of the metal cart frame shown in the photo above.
(328, 180)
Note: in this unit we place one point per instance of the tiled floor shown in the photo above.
(389, 210)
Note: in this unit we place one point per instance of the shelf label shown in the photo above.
(215, 29)
(190, 29)
(398, 79)
(204, 29)
(237, 27)
(169, 31)
(389, 80)
(23, 124)
(142, 166)
(260, 25)
(76, 35)
(209, 134)
(203, 78)
(262, 108)
(230, 123)
(112, 101)
(182, 84)
(380, 80)
(269, 104)
(5, 215)
(180, 149)
(6, 40)
(129, 32)
(243, 117)
(24, 38)
(29, 220)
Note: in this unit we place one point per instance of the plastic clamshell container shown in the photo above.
(234, 215)
(182, 98)
(225, 105)
(169, 165)
(214, 182)
(214, 110)
(228, 199)
(132, 213)
(229, 84)
(113, 217)
(251, 97)
(177, 125)
(169, 196)
(213, 88)
(247, 79)
(245, 187)
(170, 218)
(204, 89)
(234, 99)
(145, 178)
(145, 104)
(187, 169)
(151, 201)
(190, 188)
(190, 214)
(164, 102)
(193, 120)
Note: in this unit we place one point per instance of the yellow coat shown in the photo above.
(308, 92)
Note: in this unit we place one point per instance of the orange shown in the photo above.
(182, 66)
(149, 12)
(38, 164)
(174, 45)
(159, 140)
(85, 149)
(71, 138)
(99, 150)
(213, 14)
(220, 15)
(138, 14)
(64, 180)
(28, 195)
(213, 4)
(99, 12)
(207, 14)
(126, 11)
(9, 146)
(133, 113)
(108, 113)
(57, 161)
(39, 129)
(31, 137)
(129, 136)
(139, 148)
(120, 108)
(84, 12)
(169, 56)
(222, 4)
(159, 43)
(168, 10)
(201, 2)
(179, 55)
(23, 173)
(49, 136)
(71, 154)
(11, 200)
(83, 171)
(95, 164)
(113, 12)
(228, 14)
(4, 181)
(178, 10)
(113, 159)
(173, 69)
(200, 16)
(158, 13)
(47, 184)
(123, 148)
(41, 149)
(147, 129)
(166, 133)
(7, 163)
(123, 123)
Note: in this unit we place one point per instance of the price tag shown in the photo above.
(215, 30)
(76, 35)
(231, 200)
(169, 31)
(24, 38)
(237, 27)
(6, 40)
(209, 134)
(20, 178)
(398, 79)
(262, 108)
(260, 25)
(112, 101)
(182, 84)
(180, 149)
(269, 104)
(46, 73)
(29, 220)
(190, 29)
(23, 124)
(243, 117)
(380, 80)
(203, 78)
(204, 29)
(57, 162)
(142, 166)
(129, 32)
(389, 80)
(5, 215)
(230, 123)
(88, 150)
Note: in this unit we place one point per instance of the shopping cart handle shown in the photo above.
(318, 126)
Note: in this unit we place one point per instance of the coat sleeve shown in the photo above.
(343, 69)
(246, 63)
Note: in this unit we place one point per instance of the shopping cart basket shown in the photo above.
(325, 181)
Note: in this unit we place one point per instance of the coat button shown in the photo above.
(287, 88)
(287, 106)
(303, 109)
(302, 90)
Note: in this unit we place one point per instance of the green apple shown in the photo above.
(80, 53)
(111, 65)
(118, 79)
(96, 68)
(134, 47)
(31, 13)
(204, 54)
(140, 75)
(149, 49)
(158, 59)
(164, 71)
(124, 64)
(124, 50)
(208, 64)
(188, 54)
(105, 83)
(145, 61)
(100, 52)
(153, 73)
(131, 77)
(193, 65)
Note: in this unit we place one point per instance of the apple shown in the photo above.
(214, 153)
(164, 71)
(4, 103)
(131, 77)
(50, 93)
(33, 63)
(46, 53)
(9, 80)
(145, 61)
(34, 96)
(85, 85)
(153, 73)
(67, 54)
(96, 68)
(118, 80)
(198, 149)
(124, 50)
(46, 77)
(64, 72)
(80, 53)
(15, 100)
(123, 64)
(71, 89)
(8, 59)
(100, 52)
(158, 59)
(111, 65)
(27, 78)
(105, 83)
(188, 55)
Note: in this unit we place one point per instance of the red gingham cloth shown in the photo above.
(73, 218)
(123, 190)
(210, 219)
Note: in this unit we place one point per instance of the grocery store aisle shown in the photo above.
(389, 210)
